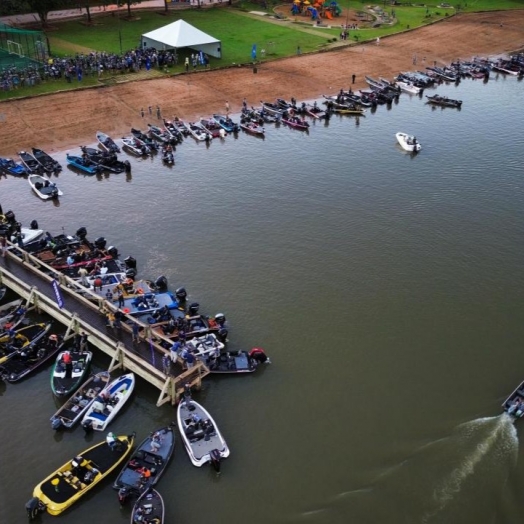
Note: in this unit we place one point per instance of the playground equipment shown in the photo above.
(313, 12)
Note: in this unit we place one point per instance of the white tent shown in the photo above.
(181, 34)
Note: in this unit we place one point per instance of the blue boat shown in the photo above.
(226, 123)
(148, 303)
(84, 164)
(10, 167)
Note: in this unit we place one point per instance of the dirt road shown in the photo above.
(67, 120)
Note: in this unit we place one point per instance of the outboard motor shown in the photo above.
(127, 166)
(88, 426)
(123, 496)
(193, 308)
(81, 233)
(222, 334)
(215, 459)
(34, 224)
(181, 294)
(131, 273)
(130, 263)
(10, 216)
(100, 242)
(56, 424)
(220, 319)
(113, 251)
(34, 507)
(161, 284)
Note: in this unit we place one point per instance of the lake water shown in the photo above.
(386, 288)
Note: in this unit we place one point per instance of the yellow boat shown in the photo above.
(23, 337)
(77, 476)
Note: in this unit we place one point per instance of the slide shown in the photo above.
(338, 10)
(328, 14)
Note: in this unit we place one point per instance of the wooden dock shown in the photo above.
(30, 278)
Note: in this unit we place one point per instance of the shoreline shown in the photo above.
(66, 120)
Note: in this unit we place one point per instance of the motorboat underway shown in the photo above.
(108, 403)
(72, 411)
(514, 404)
(202, 439)
(76, 477)
(69, 371)
(150, 506)
(43, 187)
(443, 101)
(107, 143)
(146, 465)
(408, 142)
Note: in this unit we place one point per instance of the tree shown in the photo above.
(13, 7)
(43, 7)
(128, 3)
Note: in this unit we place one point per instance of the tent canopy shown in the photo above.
(180, 34)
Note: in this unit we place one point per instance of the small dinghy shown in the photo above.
(69, 371)
(408, 142)
(32, 165)
(202, 439)
(236, 361)
(148, 508)
(72, 411)
(76, 477)
(84, 164)
(43, 187)
(10, 167)
(146, 465)
(30, 357)
(108, 403)
(107, 143)
(49, 164)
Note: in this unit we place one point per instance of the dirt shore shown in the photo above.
(67, 120)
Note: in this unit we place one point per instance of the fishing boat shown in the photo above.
(11, 314)
(49, 164)
(107, 161)
(253, 129)
(444, 101)
(198, 131)
(150, 506)
(148, 303)
(167, 155)
(192, 325)
(147, 463)
(32, 165)
(30, 357)
(85, 164)
(202, 439)
(408, 87)
(107, 405)
(147, 140)
(73, 410)
(514, 404)
(213, 127)
(296, 122)
(162, 135)
(408, 142)
(107, 143)
(9, 167)
(236, 362)
(272, 109)
(69, 371)
(23, 337)
(135, 146)
(226, 123)
(314, 111)
(205, 346)
(43, 187)
(76, 477)
(177, 129)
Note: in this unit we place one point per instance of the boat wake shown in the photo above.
(459, 479)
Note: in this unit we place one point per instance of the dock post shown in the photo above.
(1, 276)
(72, 326)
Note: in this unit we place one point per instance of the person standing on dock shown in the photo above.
(3, 245)
(83, 341)
(166, 364)
(121, 301)
(136, 333)
(82, 273)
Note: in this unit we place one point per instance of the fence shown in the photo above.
(21, 48)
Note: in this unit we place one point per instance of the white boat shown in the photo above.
(71, 412)
(43, 187)
(8, 314)
(108, 403)
(135, 146)
(408, 142)
(107, 143)
(198, 131)
(408, 87)
(205, 346)
(67, 374)
(202, 439)
(29, 235)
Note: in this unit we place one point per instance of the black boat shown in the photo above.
(107, 143)
(148, 508)
(107, 161)
(49, 164)
(33, 166)
(148, 141)
(162, 135)
(236, 361)
(146, 465)
(443, 101)
(30, 357)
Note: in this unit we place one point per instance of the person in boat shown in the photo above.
(112, 441)
(66, 358)
(517, 408)
(145, 473)
(156, 442)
